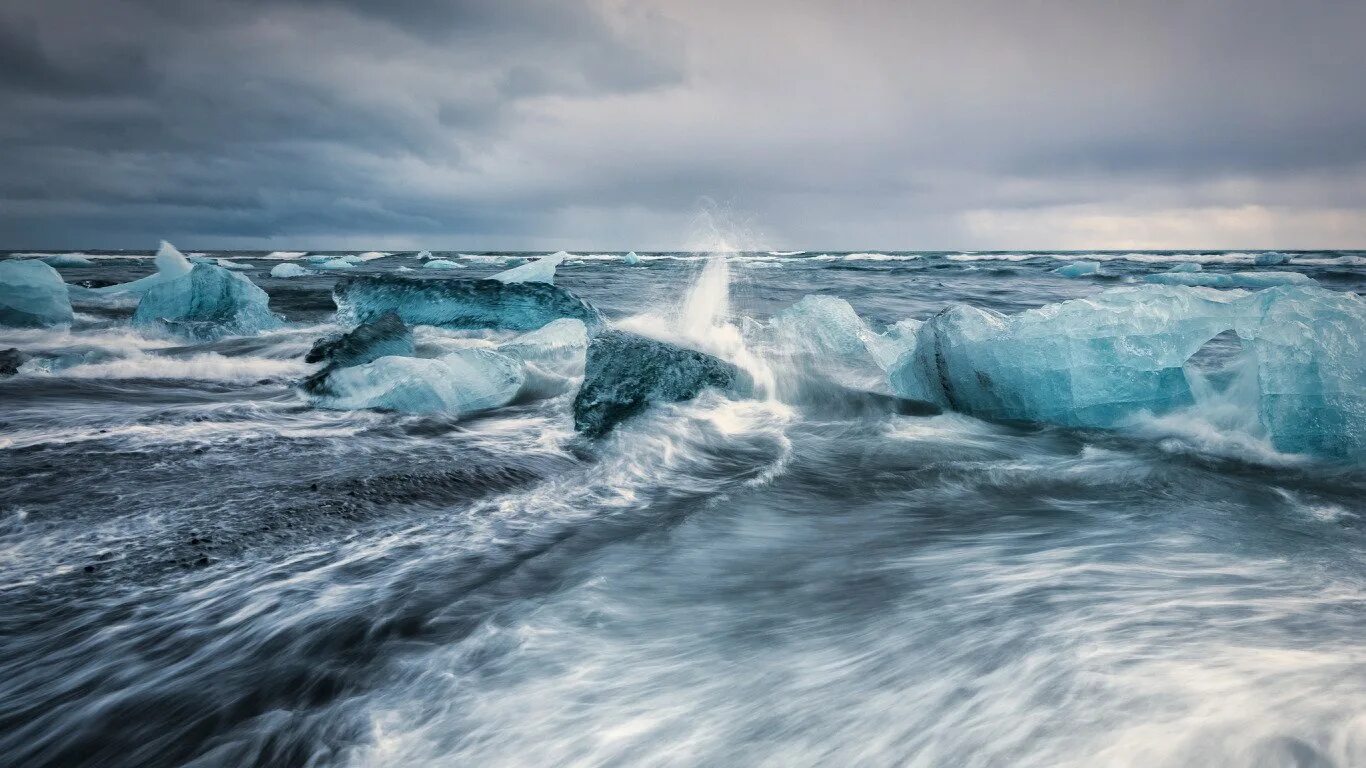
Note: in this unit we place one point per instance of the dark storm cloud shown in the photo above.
(603, 122)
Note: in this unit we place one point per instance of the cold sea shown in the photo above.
(201, 567)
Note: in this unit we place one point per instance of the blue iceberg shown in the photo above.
(385, 336)
(68, 260)
(626, 373)
(541, 270)
(631, 258)
(287, 270)
(1078, 269)
(206, 303)
(459, 383)
(469, 304)
(170, 264)
(1102, 360)
(1270, 259)
(32, 294)
(443, 264)
(1253, 280)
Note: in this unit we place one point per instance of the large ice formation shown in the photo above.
(32, 294)
(1102, 360)
(625, 373)
(1078, 269)
(385, 336)
(207, 302)
(462, 382)
(459, 303)
(287, 270)
(1252, 280)
(541, 270)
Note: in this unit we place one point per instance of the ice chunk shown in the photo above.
(170, 264)
(385, 336)
(828, 330)
(558, 340)
(230, 264)
(370, 256)
(631, 258)
(625, 373)
(320, 258)
(284, 255)
(287, 270)
(207, 303)
(32, 294)
(1092, 362)
(1309, 346)
(459, 303)
(1270, 259)
(1187, 266)
(1078, 269)
(1252, 280)
(337, 264)
(67, 260)
(541, 270)
(10, 360)
(458, 383)
(443, 264)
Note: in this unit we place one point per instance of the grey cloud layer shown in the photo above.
(540, 124)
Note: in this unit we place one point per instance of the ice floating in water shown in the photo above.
(370, 255)
(337, 264)
(1187, 266)
(462, 382)
(625, 373)
(230, 264)
(1103, 360)
(32, 294)
(287, 270)
(459, 303)
(207, 303)
(1078, 269)
(443, 264)
(631, 258)
(826, 330)
(385, 336)
(555, 341)
(284, 255)
(1270, 259)
(541, 270)
(1230, 280)
(67, 260)
(170, 264)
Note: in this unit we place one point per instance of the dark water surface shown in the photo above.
(197, 568)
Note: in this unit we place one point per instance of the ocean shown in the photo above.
(199, 567)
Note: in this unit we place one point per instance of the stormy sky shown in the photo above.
(968, 124)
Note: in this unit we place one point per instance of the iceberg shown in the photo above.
(827, 330)
(230, 264)
(1078, 269)
(67, 260)
(287, 270)
(541, 270)
(470, 304)
(1251, 280)
(459, 383)
(32, 294)
(337, 264)
(207, 303)
(626, 373)
(170, 264)
(1105, 359)
(1187, 266)
(443, 264)
(556, 341)
(631, 258)
(1270, 259)
(385, 336)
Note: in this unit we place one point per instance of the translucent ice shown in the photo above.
(1078, 269)
(824, 334)
(555, 341)
(385, 336)
(67, 260)
(1269, 259)
(287, 270)
(32, 294)
(337, 264)
(458, 383)
(625, 373)
(230, 264)
(1252, 280)
(459, 303)
(1186, 266)
(1101, 361)
(170, 264)
(443, 264)
(541, 270)
(631, 258)
(206, 303)
(1089, 362)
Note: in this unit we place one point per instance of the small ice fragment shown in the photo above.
(443, 264)
(541, 270)
(287, 270)
(1078, 269)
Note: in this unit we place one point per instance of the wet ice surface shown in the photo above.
(200, 568)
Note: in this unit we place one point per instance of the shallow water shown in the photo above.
(200, 569)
